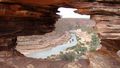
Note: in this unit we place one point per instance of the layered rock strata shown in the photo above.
(30, 17)
(7, 47)
(106, 14)
(24, 18)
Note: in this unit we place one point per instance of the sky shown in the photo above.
(69, 13)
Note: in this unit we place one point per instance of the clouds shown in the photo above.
(69, 13)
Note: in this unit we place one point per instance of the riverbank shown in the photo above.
(30, 44)
(54, 50)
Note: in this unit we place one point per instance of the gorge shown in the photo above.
(38, 17)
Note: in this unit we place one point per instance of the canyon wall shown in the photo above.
(37, 17)
(106, 14)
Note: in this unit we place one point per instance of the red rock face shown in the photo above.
(26, 20)
(31, 17)
(7, 47)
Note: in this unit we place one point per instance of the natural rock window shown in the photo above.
(33, 28)
(73, 32)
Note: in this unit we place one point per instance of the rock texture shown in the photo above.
(108, 29)
(7, 47)
(106, 14)
(31, 44)
(103, 59)
(31, 17)
(23, 18)
(23, 62)
(19, 17)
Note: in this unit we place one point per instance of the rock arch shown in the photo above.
(31, 17)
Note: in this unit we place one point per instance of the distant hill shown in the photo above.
(66, 24)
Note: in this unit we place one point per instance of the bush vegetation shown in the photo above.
(75, 52)
(70, 56)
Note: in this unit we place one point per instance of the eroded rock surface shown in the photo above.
(104, 59)
(7, 47)
(31, 17)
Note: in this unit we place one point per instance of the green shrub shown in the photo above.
(94, 43)
(67, 56)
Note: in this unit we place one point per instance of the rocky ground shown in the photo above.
(100, 59)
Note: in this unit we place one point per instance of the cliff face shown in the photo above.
(24, 17)
(17, 19)
(31, 17)
(108, 29)
(35, 17)
(106, 14)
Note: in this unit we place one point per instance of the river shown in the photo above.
(55, 50)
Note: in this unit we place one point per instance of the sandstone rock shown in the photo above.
(7, 47)
(30, 17)
(104, 59)
(96, 8)
(4, 65)
(116, 1)
(118, 53)
(107, 26)
(73, 65)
